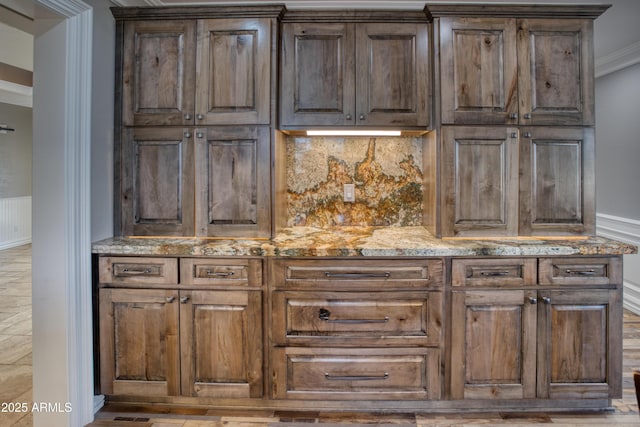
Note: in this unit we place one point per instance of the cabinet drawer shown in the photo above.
(220, 272)
(138, 270)
(493, 272)
(580, 271)
(365, 373)
(392, 318)
(356, 274)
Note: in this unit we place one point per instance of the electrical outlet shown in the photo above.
(349, 191)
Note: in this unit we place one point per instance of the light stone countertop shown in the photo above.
(359, 241)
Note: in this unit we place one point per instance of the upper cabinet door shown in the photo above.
(555, 66)
(478, 71)
(557, 169)
(392, 73)
(158, 74)
(317, 76)
(234, 78)
(157, 182)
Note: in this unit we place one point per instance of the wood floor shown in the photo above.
(16, 375)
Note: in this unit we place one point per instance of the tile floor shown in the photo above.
(16, 374)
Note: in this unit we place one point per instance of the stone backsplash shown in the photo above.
(387, 173)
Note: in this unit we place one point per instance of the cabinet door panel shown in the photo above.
(317, 77)
(478, 71)
(493, 345)
(233, 182)
(157, 182)
(233, 71)
(555, 72)
(158, 73)
(139, 342)
(480, 187)
(221, 341)
(392, 74)
(577, 332)
(556, 185)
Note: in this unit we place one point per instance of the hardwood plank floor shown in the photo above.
(16, 377)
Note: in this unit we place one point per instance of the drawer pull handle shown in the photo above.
(356, 377)
(171, 299)
(385, 275)
(324, 314)
(546, 300)
(533, 300)
(143, 271)
(581, 272)
(219, 273)
(184, 300)
(495, 273)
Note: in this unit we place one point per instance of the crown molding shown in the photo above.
(617, 60)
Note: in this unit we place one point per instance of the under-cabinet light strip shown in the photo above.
(353, 133)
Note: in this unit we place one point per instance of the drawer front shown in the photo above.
(494, 272)
(138, 270)
(372, 374)
(356, 274)
(395, 318)
(220, 272)
(580, 271)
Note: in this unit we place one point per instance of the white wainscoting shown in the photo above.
(625, 230)
(15, 221)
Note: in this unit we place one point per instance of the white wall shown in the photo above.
(103, 71)
(617, 168)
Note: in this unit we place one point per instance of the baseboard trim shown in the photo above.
(628, 231)
(15, 243)
(98, 402)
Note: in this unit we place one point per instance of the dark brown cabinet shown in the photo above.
(202, 72)
(526, 343)
(346, 74)
(187, 76)
(506, 181)
(516, 71)
(232, 181)
(157, 181)
(158, 338)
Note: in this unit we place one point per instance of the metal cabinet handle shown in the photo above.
(527, 116)
(514, 135)
(580, 272)
(199, 135)
(187, 134)
(325, 315)
(328, 274)
(546, 300)
(328, 376)
(494, 273)
(143, 271)
(199, 116)
(362, 117)
(187, 116)
(348, 117)
(171, 299)
(533, 300)
(513, 116)
(183, 300)
(527, 134)
(219, 274)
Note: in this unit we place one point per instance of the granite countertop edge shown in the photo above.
(359, 242)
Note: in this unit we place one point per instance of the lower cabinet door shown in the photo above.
(493, 344)
(221, 343)
(139, 343)
(363, 373)
(579, 343)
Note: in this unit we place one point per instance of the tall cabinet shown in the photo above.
(516, 119)
(195, 82)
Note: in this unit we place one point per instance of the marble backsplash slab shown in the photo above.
(387, 173)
